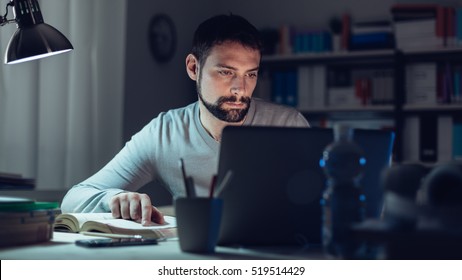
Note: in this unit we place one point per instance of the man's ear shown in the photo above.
(192, 67)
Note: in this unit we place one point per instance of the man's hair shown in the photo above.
(224, 28)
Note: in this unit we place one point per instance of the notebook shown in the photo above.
(274, 193)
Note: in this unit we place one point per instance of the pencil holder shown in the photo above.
(198, 221)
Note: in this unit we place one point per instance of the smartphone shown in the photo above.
(112, 242)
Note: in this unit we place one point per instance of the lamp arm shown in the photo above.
(3, 19)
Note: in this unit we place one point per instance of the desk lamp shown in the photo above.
(33, 39)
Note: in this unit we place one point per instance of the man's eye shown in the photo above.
(225, 72)
(253, 75)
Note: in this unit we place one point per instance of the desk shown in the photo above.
(62, 247)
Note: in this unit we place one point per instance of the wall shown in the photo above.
(152, 87)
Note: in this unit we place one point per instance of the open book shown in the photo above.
(105, 223)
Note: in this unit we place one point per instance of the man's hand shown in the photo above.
(135, 206)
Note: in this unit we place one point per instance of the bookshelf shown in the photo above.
(357, 111)
(438, 122)
(399, 114)
(402, 73)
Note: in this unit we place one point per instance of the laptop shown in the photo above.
(273, 196)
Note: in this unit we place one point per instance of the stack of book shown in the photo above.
(10, 181)
(24, 221)
(371, 35)
(419, 26)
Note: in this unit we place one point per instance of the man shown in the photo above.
(224, 63)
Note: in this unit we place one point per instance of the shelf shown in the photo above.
(327, 55)
(426, 51)
(433, 54)
(430, 107)
(376, 56)
(395, 115)
(370, 108)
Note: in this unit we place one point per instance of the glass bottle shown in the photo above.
(343, 201)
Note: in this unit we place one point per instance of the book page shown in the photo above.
(104, 222)
(130, 224)
(121, 226)
(74, 221)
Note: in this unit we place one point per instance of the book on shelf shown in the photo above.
(458, 26)
(421, 83)
(373, 26)
(451, 26)
(311, 41)
(428, 136)
(346, 32)
(420, 25)
(420, 136)
(457, 75)
(311, 87)
(105, 223)
(414, 10)
(263, 88)
(457, 140)
(433, 83)
(411, 140)
(449, 138)
(445, 144)
(284, 44)
(360, 87)
(378, 124)
(304, 87)
(372, 41)
(432, 139)
(370, 35)
(340, 97)
(291, 96)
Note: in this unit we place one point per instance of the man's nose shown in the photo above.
(238, 85)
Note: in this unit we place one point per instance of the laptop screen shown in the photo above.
(274, 193)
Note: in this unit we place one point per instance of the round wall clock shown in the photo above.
(162, 37)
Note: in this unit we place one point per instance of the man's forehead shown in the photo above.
(233, 56)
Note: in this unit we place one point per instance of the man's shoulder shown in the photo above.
(264, 105)
(267, 113)
(173, 118)
(177, 114)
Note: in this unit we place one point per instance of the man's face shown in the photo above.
(227, 80)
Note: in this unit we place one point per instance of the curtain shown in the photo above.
(61, 117)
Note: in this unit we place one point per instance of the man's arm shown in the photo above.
(112, 189)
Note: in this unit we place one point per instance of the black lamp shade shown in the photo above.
(34, 39)
(34, 42)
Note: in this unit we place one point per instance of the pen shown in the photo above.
(224, 183)
(190, 190)
(212, 185)
(188, 181)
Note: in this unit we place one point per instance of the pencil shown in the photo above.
(224, 183)
(188, 181)
(212, 185)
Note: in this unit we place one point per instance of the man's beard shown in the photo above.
(227, 115)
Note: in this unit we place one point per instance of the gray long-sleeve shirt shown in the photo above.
(154, 153)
